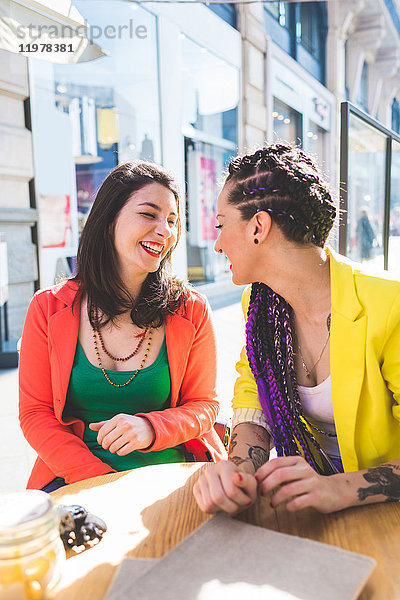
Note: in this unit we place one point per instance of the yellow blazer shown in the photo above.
(364, 363)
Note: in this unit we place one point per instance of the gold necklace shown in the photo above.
(303, 362)
(116, 358)
(101, 364)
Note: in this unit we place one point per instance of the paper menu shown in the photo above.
(226, 558)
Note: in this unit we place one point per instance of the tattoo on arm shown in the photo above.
(238, 461)
(259, 437)
(384, 481)
(233, 442)
(256, 454)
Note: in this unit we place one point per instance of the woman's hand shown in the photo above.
(124, 434)
(223, 487)
(292, 482)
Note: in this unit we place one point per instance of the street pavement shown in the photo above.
(17, 457)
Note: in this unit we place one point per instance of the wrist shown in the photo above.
(345, 491)
(151, 433)
(246, 466)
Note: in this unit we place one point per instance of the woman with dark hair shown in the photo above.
(118, 364)
(319, 377)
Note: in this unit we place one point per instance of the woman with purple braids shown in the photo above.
(319, 377)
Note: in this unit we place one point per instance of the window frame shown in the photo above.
(347, 110)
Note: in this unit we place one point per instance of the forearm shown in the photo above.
(378, 484)
(249, 447)
(178, 425)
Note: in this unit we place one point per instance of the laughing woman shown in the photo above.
(118, 364)
(319, 378)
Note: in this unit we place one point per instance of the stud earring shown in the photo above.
(220, 251)
(255, 240)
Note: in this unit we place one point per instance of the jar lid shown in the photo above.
(23, 507)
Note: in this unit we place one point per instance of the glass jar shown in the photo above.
(31, 551)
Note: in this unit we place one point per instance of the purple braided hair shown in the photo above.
(270, 353)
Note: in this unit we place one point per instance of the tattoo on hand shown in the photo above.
(384, 481)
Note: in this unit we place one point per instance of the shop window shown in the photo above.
(300, 28)
(395, 116)
(204, 165)
(280, 12)
(89, 117)
(111, 118)
(210, 116)
(278, 18)
(314, 143)
(366, 193)
(227, 12)
(210, 92)
(370, 184)
(287, 123)
(310, 23)
(311, 32)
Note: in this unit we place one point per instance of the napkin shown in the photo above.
(228, 558)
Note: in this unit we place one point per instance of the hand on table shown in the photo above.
(298, 486)
(124, 433)
(223, 487)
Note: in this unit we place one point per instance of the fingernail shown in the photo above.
(249, 504)
(240, 477)
(256, 478)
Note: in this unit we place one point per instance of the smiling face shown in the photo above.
(145, 229)
(235, 240)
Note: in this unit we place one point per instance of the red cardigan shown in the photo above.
(47, 353)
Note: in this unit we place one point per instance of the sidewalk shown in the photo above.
(17, 457)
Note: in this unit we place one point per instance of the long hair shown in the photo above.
(283, 181)
(97, 266)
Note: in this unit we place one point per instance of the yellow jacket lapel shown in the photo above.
(348, 337)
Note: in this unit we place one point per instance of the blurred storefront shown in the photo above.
(88, 118)
(167, 92)
(210, 125)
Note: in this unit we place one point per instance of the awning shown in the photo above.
(54, 31)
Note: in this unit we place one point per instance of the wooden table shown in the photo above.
(150, 510)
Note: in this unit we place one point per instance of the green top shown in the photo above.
(91, 398)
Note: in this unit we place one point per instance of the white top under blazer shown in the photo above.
(318, 410)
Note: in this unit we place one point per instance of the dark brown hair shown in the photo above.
(283, 181)
(97, 265)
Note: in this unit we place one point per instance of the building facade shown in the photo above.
(301, 62)
(18, 216)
